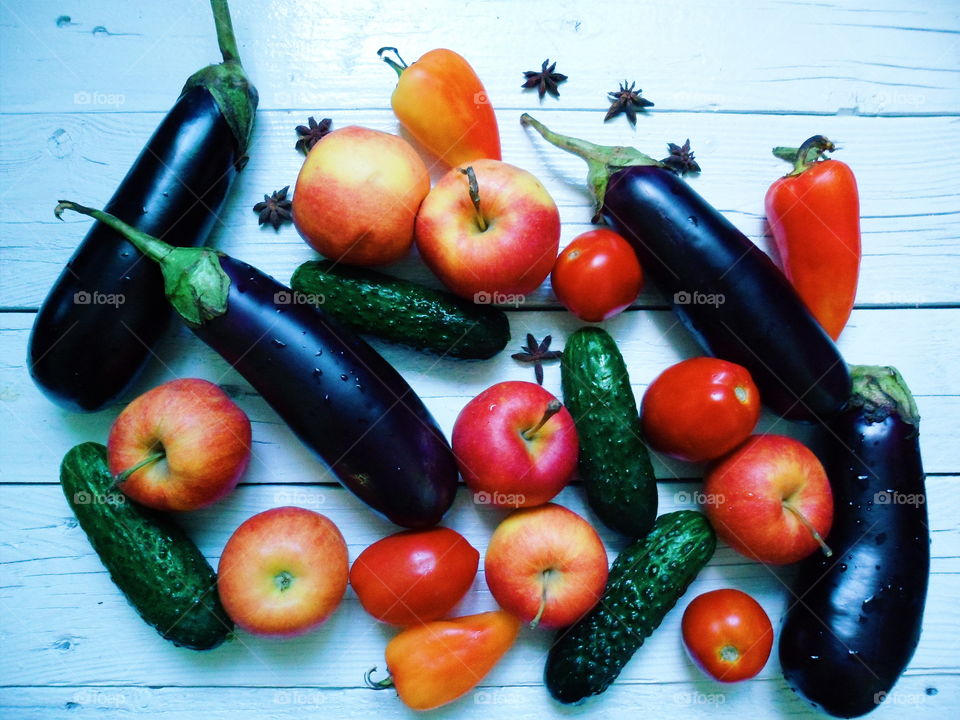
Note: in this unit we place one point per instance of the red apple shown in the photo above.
(357, 196)
(770, 500)
(546, 565)
(283, 572)
(189, 441)
(515, 445)
(504, 245)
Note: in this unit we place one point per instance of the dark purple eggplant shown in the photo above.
(854, 618)
(96, 326)
(725, 290)
(337, 394)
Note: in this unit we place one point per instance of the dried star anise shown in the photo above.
(311, 133)
(681, 159)
(275, 208)
(545, 80)
(627, 100)
(537, 354)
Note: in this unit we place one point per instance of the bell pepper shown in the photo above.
(441, 102)
(814, 214)
(437, 662)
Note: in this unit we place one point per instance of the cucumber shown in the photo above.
(646, 580)
(402, 311)
(614, 462)
(149, 557)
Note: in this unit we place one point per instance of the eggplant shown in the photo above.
(96, 327)
(337, 394)
(726, 291)
(854, 618)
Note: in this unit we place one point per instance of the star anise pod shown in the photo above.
(681, 159)
(311, 133)
(627, 100)
(546, 80)
(537, 354)
(275, 208)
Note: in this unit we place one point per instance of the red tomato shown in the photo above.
(700, 409)
(597, 275)
(727, 634)
(414, 576)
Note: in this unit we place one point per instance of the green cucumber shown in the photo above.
(646, 580)
(614, 462)
(158, 568)
(402, 311)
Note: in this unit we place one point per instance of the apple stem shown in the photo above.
(809, 526)
(149, 459)
(475, 195)
(543, 602)
(553, 407)
(384, 684)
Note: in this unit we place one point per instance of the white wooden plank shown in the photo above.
(766, 56)
(923, 695)
(74, 628)
(910, 202)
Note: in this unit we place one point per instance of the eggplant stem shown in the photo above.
(398, 67)
(148, 460)
(809, 526)
(384, 684)
(152, 247)
(553, 407)
(475, 195)
(225, 37)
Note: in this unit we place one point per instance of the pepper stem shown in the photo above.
(399, 67)
(474, 187)
(807, 155)
(602, 160)
(553, 407)
(384, 684)
(225, 37)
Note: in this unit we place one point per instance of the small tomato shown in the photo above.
(597, 275)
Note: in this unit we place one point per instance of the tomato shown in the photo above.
(700, 409)
(597, 275)
(414, 576)
(727, 634)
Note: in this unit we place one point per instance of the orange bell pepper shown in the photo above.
(437, 662)
(441, 102)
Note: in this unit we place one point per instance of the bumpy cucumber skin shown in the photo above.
(404, 312)
(158, 568)
(614, 462)
(646, 580)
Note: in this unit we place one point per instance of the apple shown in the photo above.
(770, 500)
(283, 572)
(546, 565)
(498, 239)
(357, 196)
(180, 446)
(515, 445)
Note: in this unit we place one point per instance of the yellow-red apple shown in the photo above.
(497, 239)
(357, 196)
(515, 445)
(283, 572)
(770, 500)
(180, 446)
(546, 565)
